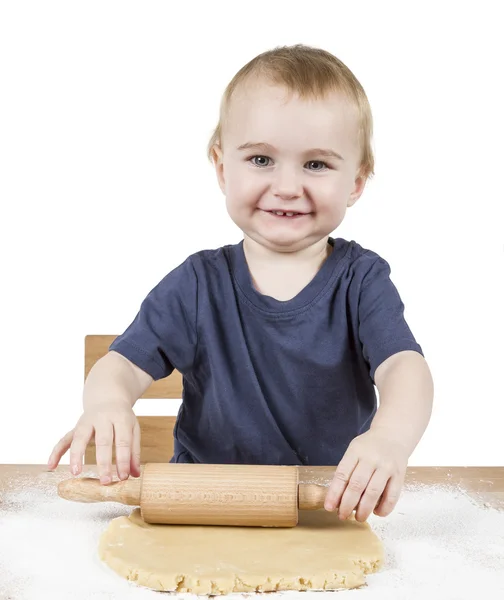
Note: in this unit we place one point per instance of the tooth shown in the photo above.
(289, 214)
(279, 212)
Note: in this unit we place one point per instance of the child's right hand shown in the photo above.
(111, 423)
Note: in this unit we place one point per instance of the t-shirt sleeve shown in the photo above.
(162, 337)
(383, 330)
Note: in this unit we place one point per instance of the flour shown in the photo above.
(438, 542)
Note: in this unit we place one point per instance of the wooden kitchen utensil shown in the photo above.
(201, 494)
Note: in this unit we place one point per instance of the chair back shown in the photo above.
(156, 444)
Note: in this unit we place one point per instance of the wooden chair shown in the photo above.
(156, 432)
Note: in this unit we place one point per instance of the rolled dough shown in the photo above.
(321, 552)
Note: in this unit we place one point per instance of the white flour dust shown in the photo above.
(438, 542)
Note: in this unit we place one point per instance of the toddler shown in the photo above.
(282, 337)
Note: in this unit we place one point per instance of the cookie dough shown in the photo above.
(320, 553)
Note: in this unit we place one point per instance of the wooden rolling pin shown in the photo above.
(201, 494)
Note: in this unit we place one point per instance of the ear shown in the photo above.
(360, 184)
(217, 157)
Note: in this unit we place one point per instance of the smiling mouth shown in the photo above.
(286, 214)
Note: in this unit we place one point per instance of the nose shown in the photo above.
(286, 184)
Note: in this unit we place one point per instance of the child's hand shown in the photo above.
(369, 477)
(114, 422)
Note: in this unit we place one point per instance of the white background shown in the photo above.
(106, 110)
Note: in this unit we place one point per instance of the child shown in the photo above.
(281, 337)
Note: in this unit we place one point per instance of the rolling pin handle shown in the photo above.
(87, 489)
(311, 496)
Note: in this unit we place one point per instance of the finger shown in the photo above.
(82, 435)
(122, 435)
(59, 450)
(390, 496)
(340, 480)
(372, 494)
(104, 435)
(355, 488)
(135, 450)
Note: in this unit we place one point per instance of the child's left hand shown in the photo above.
(369, 477)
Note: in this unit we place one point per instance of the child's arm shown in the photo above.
(372, 471)
(406, 392)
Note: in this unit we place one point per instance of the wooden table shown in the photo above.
(483, 484)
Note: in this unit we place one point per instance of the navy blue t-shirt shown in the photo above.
(269, 381)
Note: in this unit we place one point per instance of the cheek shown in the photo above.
(243, 191)
(331, 209)
(336, 207)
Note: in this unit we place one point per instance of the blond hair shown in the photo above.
(312, 73)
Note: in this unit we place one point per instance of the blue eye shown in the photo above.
(320, 162)
(251, 158)
(256, 165)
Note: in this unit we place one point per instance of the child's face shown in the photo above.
(285, 176)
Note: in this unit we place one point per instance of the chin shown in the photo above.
(283, 243)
